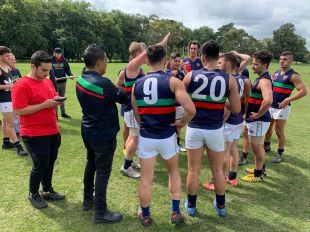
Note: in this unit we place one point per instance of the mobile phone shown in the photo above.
(60, 99)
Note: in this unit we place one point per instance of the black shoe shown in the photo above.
(64, 115)
(243, 159)
(8, 145)
(52, 195)
(267, 148)
(107, 217)
(37, 201)
(20, 150)
(87, 204)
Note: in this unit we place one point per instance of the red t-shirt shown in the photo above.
(28, 91)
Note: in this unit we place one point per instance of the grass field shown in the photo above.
(280, 203)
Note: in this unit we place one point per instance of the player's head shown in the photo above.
(136, 49)
(95, 58)
(193, 48)
(156, 54)
(210, 51)
(5, 55)
(286, 59)
(261, 61)
(12, 61)
(41, 64)
(228, 62)
(175, 61)
(58, 53)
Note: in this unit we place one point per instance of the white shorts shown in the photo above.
(232, 132)
(166, 148)
(280, 114)
(258, 128)
(130, 119)
(213, 139)
(179, 111)
(6, 107)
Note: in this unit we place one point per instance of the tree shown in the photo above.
(203, 34)
(285, 39)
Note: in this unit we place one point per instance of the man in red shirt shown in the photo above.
(35, 100)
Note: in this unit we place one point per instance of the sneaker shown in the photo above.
(20, 150)
(190, 210)
(145, 220)
(88, 204)
(251, 171)
(52, 195)
(252, 178)
(130, 172)
(108, 217)
(135, 166)
(243, 159)
(177, 218)
(209, 186)
(8, 145)
(277, 159)
(233, 182)
(222, 212)
(181, 148)
(64, 115)
(37, 201)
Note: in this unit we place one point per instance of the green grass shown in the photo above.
(281, 203)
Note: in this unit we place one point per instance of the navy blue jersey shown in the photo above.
(61, 68)
(16, 74)
(256, 99)
(237, 118)
(209, 90)
(180, 75)
(283, 87)
(128, 83)
(156, 105)
(192, 65)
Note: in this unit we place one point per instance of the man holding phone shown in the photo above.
(35, 100)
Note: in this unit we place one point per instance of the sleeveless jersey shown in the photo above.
(283, 86)
(156, 105)
(209, 90)
(237, 118)
(255, 100)
(5, 78)
(128, 83)
(192, 65)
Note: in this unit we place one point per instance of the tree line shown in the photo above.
(30, 25)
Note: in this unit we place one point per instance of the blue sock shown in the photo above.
(191, 200)
(176, 206)
(145, 211)
(220, 201)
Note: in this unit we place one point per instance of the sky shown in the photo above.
(257, 17)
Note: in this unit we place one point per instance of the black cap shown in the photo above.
(57, 50)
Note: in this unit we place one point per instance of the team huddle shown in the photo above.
(211, 96)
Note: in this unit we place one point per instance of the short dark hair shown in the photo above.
(264, 57)
(155, 53)
(58, 50)
(92, 54)
(40, 57)
(174, 55)
(210, 50)
(195, 42)
(287, 53)
(4, 50)
(232, 59)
